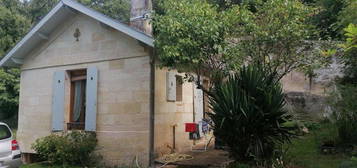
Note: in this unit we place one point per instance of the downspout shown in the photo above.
(152, 111)
(138, 13)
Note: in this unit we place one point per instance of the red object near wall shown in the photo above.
(190, 127)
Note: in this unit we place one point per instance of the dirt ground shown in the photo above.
(201, 159)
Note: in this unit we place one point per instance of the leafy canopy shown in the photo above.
(195, 36)
(276, 36)
(350, 55)
(118, 9)
(191, 35)
(12, 27)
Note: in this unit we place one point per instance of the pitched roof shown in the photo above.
(60, 13)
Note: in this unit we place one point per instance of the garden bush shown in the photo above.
(343, 98)
(345, 113)
(248, 114)
(73, 148)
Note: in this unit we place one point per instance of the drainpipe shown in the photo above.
(152, 111)
(140, 20)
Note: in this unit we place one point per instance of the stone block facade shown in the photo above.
(123, 88)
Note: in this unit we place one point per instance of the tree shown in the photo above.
(350, 55)
(194, 36)
(37, 9)
(343, 99)
(9, 92)
(225, 4)
(326, 18)
(276, 36)
(118, 9)
(347, 16)
(12, 27)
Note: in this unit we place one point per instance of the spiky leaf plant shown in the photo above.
(248, 113)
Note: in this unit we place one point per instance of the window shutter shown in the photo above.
(171, 86)
(58, 101)
(198, 103)
(91, 99)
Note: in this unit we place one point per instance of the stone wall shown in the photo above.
(171, 114)
(123, 88)
(307, 99)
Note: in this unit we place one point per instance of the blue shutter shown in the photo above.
(171, 86)
(198, 103)
(91, 99)
(58, 101)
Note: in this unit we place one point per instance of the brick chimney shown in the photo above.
(140, 8)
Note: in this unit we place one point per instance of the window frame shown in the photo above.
(77, 75)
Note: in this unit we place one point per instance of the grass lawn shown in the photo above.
(304, 152)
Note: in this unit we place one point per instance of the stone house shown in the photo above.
(81, 70)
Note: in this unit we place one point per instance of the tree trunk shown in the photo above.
(139, 8)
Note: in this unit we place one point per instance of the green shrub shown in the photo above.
(345, 113)
(248, 114)
(73, 148)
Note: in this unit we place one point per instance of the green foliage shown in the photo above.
(350, 55)
(276, 35)
(9, 92)
(225, 4)
(347, 16)
(118, 9)
(74, 148)
(344, 97)
(191, 35)
(37, 9)
(248, 114)
(195, 36)
(12, 27)
(332, 16)
(327, 17)
(344, 106)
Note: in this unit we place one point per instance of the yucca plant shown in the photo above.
(248, 114)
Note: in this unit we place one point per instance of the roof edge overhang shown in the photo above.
(15, 57)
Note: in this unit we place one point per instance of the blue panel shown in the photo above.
(58, 101)
(91, 99)
(171, 86)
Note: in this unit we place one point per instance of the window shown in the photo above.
(179, 83)
(77, 100)
(74, 99)
(4, 132)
